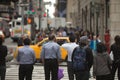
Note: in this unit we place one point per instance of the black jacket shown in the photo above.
(3, 54)
(116, 51)
(89, 57)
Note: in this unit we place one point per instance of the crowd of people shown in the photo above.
(84, 51)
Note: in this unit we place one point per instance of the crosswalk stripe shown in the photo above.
(38, 73)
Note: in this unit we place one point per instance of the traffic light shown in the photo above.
(29, 20)
(25, 20)
(45, 15)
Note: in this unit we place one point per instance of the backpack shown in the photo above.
(79, 59)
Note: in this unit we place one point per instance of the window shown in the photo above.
(61, 41)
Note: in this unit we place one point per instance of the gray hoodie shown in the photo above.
(100, 64)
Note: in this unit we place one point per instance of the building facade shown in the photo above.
(73, 11)
(114, 18)
(95, 15)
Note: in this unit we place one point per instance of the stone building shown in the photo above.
(73, 11)
(95, 15)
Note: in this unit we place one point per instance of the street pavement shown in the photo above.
(38, 73)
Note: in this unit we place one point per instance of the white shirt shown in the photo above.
(70, 47)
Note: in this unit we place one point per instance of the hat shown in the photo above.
(83, 39)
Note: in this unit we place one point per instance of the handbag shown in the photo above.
(60, 73)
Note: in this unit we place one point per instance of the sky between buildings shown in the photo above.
(51, 7)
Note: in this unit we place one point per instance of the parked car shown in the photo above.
(38, 47)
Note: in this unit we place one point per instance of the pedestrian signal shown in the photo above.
(29, 21)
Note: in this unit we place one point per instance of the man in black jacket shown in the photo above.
(115, 48)
(3, 54)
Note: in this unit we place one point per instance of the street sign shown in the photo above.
(30, 12)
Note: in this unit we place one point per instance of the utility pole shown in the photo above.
(22, 5)
(39, 14)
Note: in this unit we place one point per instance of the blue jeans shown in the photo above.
(82, 75)
(2, 72)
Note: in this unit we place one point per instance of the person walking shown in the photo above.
(82, 59)
(26, 60)
(51, 56)
(115, 48)
(102, 63)
(3, 54)
(70, 47)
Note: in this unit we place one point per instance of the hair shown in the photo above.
(72, 38)
(51, 37)
(27, 41)
(117, 39)
(101, 47)
(1, 40)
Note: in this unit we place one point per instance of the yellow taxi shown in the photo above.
(38, 47)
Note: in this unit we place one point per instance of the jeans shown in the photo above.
(115, 66)
(25, 71)
(104, 77)
(82, 75)
(70, 71)
(51, 69)
(2, 72)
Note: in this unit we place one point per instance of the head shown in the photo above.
(117, 39)
(27, 41)
(72, 38)
(101, 47)
(51, 37)
(83, 41)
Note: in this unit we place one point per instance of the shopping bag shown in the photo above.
(111, 55)
(60, 73)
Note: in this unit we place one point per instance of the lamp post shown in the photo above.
(39, 14)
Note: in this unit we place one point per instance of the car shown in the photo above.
(38, 47)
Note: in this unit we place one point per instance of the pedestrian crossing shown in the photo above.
(38, 73)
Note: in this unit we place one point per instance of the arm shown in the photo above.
(42, 54)
(5, 51)
(94, 67)
(34, 58)
(89, 57)
(18, 55)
